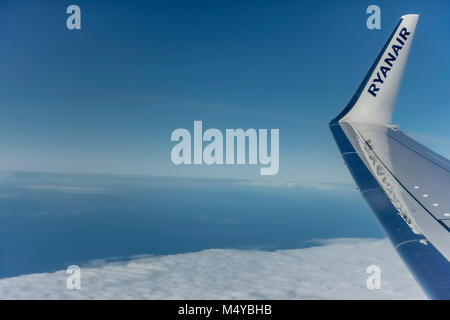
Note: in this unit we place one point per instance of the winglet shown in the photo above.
(374, 100)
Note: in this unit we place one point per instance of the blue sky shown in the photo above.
(106, 98)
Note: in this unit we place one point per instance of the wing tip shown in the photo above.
(410, 15)
(380, 110)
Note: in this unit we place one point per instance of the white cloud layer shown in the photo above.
(335, 270)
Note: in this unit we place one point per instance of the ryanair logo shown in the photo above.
(382, 73)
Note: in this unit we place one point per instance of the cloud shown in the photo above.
(66, 189)
(335, 270)
(287, 184)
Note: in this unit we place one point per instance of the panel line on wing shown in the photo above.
(408, 241)
(402, 185)
(416, 152)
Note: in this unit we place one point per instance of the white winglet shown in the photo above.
(374, 100)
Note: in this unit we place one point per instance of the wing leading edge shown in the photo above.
(405, 184)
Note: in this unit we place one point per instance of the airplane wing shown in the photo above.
(406, 184)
